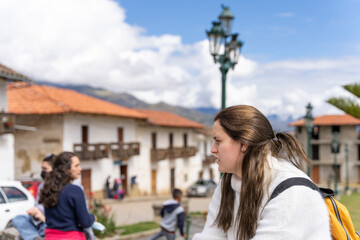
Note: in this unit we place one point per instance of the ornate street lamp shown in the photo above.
(335, 147)
(309, 125)
(218, 35)
(347, 166)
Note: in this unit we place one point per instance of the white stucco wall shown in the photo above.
(101, 129)
(32, 146)
(7, 162)
(186, 169)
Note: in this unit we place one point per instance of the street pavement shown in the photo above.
(134, 210)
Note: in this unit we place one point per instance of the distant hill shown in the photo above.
(201, 115)
(128, 100)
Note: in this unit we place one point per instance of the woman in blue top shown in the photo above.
(65, 207)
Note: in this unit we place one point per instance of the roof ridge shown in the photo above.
(45, 93)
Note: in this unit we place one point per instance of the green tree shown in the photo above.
(346, 104)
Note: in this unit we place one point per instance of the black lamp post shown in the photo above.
(335, 147)
(218, 35)
(347, 166)
(309, 124)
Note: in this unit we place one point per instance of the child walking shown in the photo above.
(173, 216)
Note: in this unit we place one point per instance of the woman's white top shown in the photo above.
(298, 213)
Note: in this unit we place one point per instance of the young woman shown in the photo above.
(65, 207)
(254, 161)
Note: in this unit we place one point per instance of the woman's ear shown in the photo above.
(244, 147)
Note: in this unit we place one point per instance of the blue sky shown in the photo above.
(295, 52)
(272, 30)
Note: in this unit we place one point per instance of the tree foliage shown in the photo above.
(346, 104)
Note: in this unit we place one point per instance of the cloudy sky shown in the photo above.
(295, 51)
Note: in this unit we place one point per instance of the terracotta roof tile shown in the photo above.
(344, 119)
(24, 98)
(167, 119)
(11, 75)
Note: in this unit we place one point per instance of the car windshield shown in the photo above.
(204, 182)
(13, 194)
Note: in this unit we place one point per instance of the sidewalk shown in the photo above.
(135, 210)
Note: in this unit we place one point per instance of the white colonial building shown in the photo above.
(7, 124)
(151, 151)
(175, 150)
(323, 153)
(102, 134)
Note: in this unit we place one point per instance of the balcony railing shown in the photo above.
(7, 121)
(87, 151)
(172, 153)
(208, 160)
(123, 151)
(116, 151)
(159, 154)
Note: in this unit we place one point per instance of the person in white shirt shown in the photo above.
(254, 161)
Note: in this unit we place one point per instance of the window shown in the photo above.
(299, 129)
(335, 128)
(185, 140)
(84, 133)
(315, 132)
(13, 194)
(153, 140)
(2, 199)
(171, 138)
(120, 134)
(315, 152)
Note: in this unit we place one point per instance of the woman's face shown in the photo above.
(227, 151)
(75, 168)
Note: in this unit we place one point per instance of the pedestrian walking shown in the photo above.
(107, 187)
(173, 217)
(255, 160)
(65, 206)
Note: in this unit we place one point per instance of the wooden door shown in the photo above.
(153, 182)
(123, 174)
(86, 181)
(172, 179)
(315, 174)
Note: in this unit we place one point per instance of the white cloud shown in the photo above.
(89, 42)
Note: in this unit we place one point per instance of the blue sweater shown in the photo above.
(70, 212)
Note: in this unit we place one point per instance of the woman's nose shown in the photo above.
(213, 149)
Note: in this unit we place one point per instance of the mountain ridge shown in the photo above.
(203, 115)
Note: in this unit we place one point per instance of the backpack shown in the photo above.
(341, 225)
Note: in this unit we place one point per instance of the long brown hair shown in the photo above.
(249, 126)
(57, 179)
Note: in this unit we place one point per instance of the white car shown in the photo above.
(14, 200)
